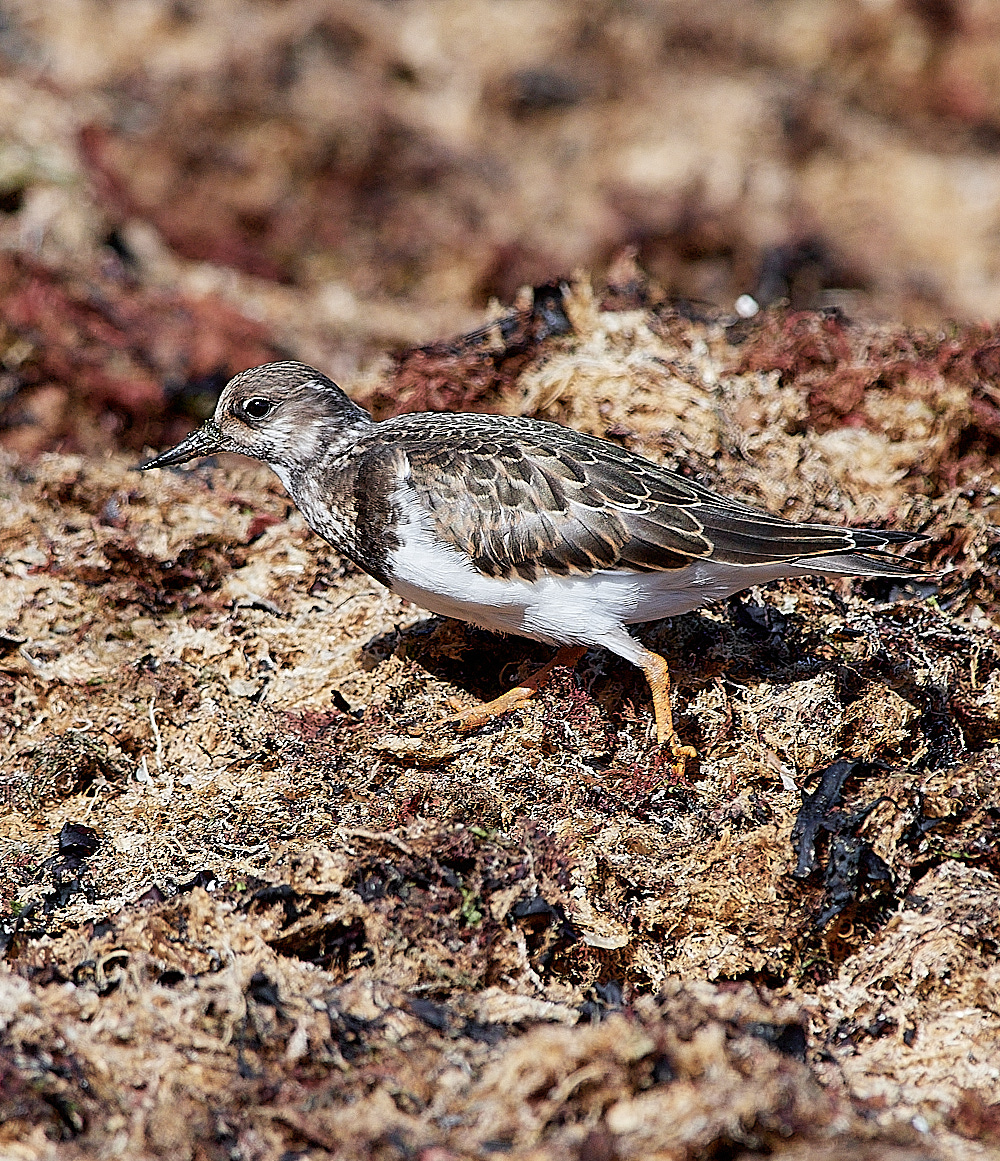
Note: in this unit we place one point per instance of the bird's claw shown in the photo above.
(475, 716)
(679, 753)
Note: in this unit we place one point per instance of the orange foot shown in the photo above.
(658, 675)
(479, 715)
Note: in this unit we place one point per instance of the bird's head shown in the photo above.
(286, 414)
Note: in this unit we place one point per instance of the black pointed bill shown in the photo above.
(206, 441)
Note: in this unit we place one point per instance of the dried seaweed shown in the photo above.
(328, 922)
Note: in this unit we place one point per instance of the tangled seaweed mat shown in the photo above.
(261, 902)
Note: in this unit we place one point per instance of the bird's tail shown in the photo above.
(872, 561)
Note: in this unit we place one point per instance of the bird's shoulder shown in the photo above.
(523, 497)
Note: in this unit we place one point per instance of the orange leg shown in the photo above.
(658, 675)
(479, 715)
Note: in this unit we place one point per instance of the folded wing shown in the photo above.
(523, 498)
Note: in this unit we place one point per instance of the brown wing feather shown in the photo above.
(522, 497)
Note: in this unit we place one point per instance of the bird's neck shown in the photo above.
(316, 447)
(321, 479)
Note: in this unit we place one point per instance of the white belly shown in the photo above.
(560, 610)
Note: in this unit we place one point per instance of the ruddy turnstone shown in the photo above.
(518, 525)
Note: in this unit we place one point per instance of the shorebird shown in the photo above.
(519, 525)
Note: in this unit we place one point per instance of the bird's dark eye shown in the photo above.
(257, 408)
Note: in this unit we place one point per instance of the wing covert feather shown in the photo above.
(524, 497)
